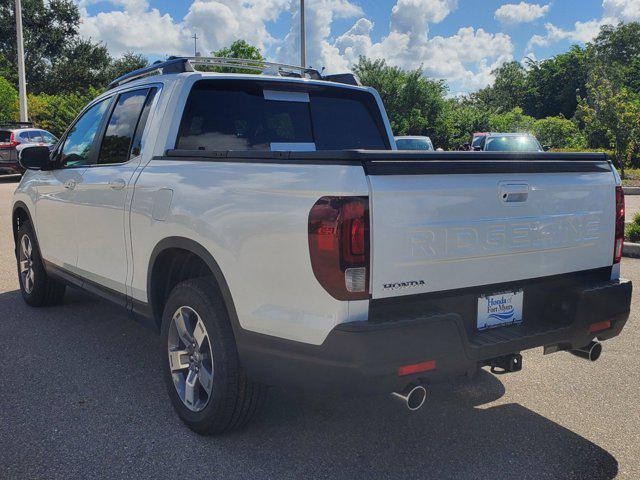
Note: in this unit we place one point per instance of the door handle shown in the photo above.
(117, 184)
(70, 184)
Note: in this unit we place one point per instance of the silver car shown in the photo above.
(13, 140)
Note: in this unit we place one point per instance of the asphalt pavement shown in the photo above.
(81, 397)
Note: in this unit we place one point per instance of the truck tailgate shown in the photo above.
(443, 225)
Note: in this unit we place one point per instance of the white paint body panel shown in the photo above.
(252, 218)
(444, 232)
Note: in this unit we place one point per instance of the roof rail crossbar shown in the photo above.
(173, 65)
(185, 64)
(257, 65)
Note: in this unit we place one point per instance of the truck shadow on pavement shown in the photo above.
(90, 402)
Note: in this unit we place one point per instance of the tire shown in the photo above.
(37, 288)
(232, 399)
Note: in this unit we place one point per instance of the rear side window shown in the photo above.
(35, 136)
(221, 115)
(121, 128)
(48, 137)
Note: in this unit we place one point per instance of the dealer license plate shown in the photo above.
(500, 309)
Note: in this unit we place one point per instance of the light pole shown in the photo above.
(303, 40)
(195, 44)
(22, 82)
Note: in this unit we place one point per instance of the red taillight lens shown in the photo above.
(12, 143)
(339, 246)
(619, 238)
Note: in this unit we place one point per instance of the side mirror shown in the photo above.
(546, 148)
(34, 158)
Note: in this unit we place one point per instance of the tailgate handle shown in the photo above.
(514, 192)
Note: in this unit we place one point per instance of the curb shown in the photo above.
(631, 190)
(631, 250)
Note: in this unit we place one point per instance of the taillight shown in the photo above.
(339, 246)
(619, 238)
(12, 143)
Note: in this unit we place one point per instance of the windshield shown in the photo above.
(414, 144)
(252, 115)
(512, 144)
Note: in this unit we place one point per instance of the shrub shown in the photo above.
(632, 230)
(632, 233)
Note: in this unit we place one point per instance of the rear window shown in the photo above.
(222, 115)
(5, 136)
(512, 144)
(414, 144)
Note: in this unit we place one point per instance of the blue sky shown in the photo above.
(460, 41)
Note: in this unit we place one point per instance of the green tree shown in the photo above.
(56, 112)
(8, 101)
(558, 132)
(461, 119)
(553, 85)
(616, 53)
(415, 104)
(238, 49)
(48, 26)
(513, 121)
(82, 64)
(508, 91)
(128, 62)
(616, 112)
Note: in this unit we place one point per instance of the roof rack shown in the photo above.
(185, 64)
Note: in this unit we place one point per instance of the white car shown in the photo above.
(408, 142)
(267, 228)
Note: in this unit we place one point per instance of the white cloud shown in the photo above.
(217, 23)
(319, 18)
(625, 10)
(464, 59)
(614, 11)
(582, 32)
(515, 13)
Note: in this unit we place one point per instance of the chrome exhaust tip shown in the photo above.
(413, 396)
(589, 352)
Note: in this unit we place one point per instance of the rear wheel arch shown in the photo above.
(175, 259)
(20, 215)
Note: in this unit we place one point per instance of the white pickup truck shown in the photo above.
(269, 228)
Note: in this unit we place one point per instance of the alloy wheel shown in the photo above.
(190, 358)
(27, 273)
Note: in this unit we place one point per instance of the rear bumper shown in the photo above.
(363, 357)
